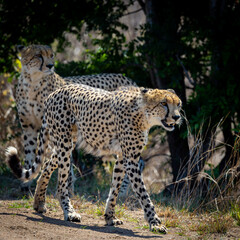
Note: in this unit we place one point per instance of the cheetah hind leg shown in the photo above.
(117, 178)
(70, 182)
(42, 183)
(71, 179)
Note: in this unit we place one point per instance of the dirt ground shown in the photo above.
(22, 222)
(25, 223)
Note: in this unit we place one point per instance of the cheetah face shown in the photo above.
(163, 108)
(37, 60)
(166, 115)
(172, 116)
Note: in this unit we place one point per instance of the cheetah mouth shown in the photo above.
(169, 127)
(48, 71)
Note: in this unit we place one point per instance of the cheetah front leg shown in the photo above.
(63, 192)
(139, 188)
(30, 145)
(117, 178)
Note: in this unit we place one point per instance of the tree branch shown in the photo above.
(186, 72)
(142, 4)
(140, 9)
(155, 155)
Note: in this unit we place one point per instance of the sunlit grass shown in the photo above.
(23, 203)
(52, 204)
(235, 213)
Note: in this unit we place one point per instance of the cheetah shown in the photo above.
(36, 82)
(101, 123)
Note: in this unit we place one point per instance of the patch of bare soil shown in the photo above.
(25, 223)
(18, 220)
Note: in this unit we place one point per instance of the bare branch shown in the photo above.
(140, 9)
(186, 72)
(155, 155)
(142, 4)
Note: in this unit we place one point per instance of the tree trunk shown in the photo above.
(229, 159)
(162, 29)
(217, 9)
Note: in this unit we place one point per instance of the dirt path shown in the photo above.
(24, 223)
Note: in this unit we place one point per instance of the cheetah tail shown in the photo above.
(13, 161)
(15, 165)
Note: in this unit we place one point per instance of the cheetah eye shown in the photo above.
(51, 56)
(38, 56)
(164, 104)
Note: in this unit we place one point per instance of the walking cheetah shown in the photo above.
(102, 123)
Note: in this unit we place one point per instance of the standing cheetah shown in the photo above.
(36, 82)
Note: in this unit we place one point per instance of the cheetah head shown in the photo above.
(162, 107)
(37, 60)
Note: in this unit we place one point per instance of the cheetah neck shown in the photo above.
(34, 79)
(32, 84)
(145, 119)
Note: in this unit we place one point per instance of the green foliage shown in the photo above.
(235, 213)
(86, 162)
(3, 169)
(71, 68)
(113, 55)
(23, 203)
(30, 21)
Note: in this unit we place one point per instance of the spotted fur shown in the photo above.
(125, 186)
(101, 123)
(36, 82)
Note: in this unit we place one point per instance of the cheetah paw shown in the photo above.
(40, 207)
(73, 217)
(158, 228)
(114, 221)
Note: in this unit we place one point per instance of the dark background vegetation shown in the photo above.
(190, 46)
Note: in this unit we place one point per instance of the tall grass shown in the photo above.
(197, 188)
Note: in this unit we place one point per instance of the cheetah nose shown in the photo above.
(176, 117)
(49, 66)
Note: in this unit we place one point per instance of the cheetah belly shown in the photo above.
(115, 147)
(99, 147)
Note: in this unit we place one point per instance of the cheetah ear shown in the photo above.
(171, 90)
(144, 90)
(19, 48)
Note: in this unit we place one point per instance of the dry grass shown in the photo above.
(202, 224)
(210, 190)
(169, 215)
(212, 223)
